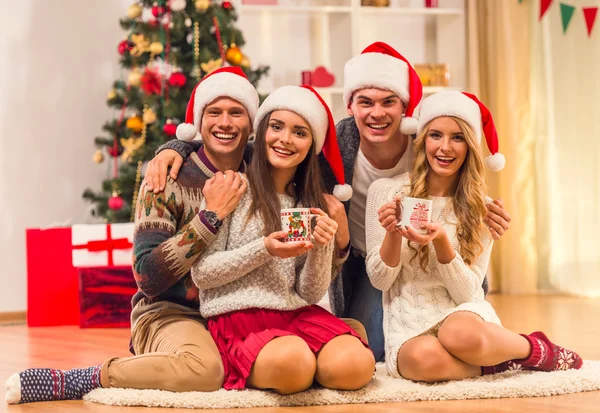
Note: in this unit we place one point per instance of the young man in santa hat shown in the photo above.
(381, 92)
(169, 337)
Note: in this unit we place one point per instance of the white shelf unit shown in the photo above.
(298, 35)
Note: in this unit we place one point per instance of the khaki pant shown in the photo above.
(175, 352)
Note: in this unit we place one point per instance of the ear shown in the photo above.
(349, 110)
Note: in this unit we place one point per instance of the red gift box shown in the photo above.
(52, 287)
(105, 296)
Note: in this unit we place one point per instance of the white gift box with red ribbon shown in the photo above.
(102, 245)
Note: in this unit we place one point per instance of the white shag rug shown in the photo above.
(382, 389)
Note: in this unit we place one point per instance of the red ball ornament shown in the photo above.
(115, 202)
(227, 5)
(177, 79)
(170, 128)
(157, 10)
(114, 153)
(124, 47)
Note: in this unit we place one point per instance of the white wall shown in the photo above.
(58, 60)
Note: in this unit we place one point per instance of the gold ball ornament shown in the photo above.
(134, 11)
(149, 116)
(156, 48)
(245, 63)
(111, 94)
(135, 77)
(98, 156)
(135, 123)
(202, 5)
(234, 55)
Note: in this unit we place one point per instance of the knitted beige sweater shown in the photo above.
(415, 301)
(237, 272)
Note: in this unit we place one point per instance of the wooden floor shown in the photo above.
(571, 322)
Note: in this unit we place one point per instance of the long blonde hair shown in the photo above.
(468, 199)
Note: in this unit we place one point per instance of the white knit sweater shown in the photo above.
(237, 272)
(415, 301)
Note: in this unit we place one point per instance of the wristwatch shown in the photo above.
(212, 218)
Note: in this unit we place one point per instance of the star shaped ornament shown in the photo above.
(130, 145)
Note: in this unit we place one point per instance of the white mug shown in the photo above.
(296, 222)
(416, 212)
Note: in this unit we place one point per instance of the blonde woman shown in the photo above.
(437, 323)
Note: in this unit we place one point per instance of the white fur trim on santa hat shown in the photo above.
(225, 85)
(301, 101)
(342, 192)
(450, 103)
(495, 162)
(376, 70)
(186, 132)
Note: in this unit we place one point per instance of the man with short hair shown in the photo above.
(174, 350)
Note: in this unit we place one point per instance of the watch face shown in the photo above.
(212, 218)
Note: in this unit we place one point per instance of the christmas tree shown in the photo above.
(170, 46)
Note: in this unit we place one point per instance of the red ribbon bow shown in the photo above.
(109, 244)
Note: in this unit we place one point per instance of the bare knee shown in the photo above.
(423, 362)
(286, 365)
(459, 339)
(345, 364)
(197, 373)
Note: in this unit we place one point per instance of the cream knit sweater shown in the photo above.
(415, 301)
(237, 272)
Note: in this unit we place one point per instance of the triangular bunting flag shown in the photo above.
(544, 5)
(590, 18)
(566, 13)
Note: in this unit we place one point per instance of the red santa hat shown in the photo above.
(228, 82)
(381, 66)
(307, 103)
(467, 107)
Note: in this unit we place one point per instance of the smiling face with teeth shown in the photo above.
(446, 147)
(288, 139)
(377, 113)
(225, 129)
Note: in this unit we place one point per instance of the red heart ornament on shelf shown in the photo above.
(322, 78)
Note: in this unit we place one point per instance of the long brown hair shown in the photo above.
(468, 200)
(307, 182)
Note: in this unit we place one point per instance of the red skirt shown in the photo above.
(241, 335)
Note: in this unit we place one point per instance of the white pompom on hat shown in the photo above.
(381, 66)
(469, 108)
(306, 102)
(229, 82)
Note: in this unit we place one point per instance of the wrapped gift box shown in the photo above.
(105, 296)
(53, 284)
(103, 245)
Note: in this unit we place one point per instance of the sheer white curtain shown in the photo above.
(565, 109)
